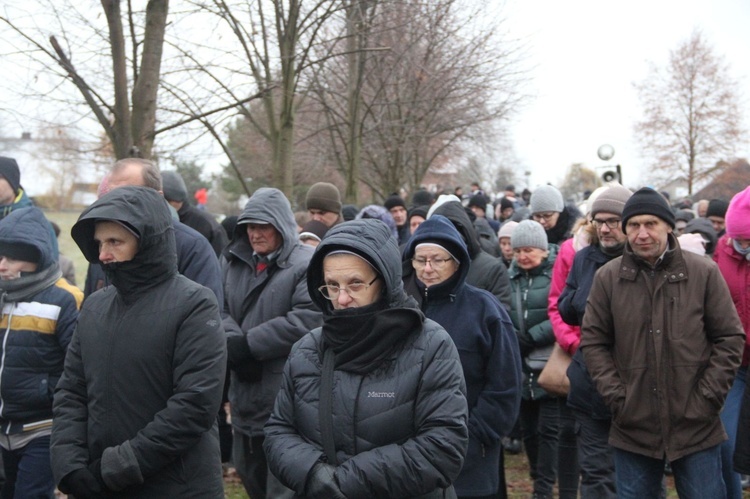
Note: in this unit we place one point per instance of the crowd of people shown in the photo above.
(389, 350)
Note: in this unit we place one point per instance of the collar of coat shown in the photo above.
(672, 262)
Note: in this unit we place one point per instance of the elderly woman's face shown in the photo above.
(528, 258)
(351, 282)
(433, 265)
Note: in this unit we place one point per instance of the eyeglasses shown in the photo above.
(436, 263)
(332, 291)
(612, 223)
(546, 216)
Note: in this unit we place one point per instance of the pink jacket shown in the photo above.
(736, 271)
(567, 336)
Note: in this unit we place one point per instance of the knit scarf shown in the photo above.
(363, 338)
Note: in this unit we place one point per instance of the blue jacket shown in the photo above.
(483, 333)
(572, 305)
(36, 327)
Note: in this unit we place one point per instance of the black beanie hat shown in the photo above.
(420, 211)
(10, 172)
(506, 203)
(394, 200)
(646, 201)
(717, 208)
(478, 201)
(421, 197)
(20, 251)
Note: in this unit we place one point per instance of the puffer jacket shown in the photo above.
(568, 336)
(145, 370)
(400, 430)
(529, 302)
(662, 345)
(736, 271)
(482, 331)
(39, 312)
(272, 309)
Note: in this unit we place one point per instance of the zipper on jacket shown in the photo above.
(2, 361)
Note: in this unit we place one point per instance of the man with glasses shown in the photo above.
(591, 415)
(267, 309)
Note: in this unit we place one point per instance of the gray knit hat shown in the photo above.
(611, 200)
(529, 234)
(173, 186)
(323, 196)
(547, 198)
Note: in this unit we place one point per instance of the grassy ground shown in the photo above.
(516, 475)
(66, 219)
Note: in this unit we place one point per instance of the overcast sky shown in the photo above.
(586, 55)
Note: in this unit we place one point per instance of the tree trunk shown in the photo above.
(123, 141)
(146, 86)
(355, 19)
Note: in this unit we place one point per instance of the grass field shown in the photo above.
(66, 219)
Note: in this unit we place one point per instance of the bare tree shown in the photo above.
(691, 113)
(128, 113)
(577, 180)
(272, 48)
(123, 64)
(431, 76)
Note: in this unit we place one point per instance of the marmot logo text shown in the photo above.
(389, 395)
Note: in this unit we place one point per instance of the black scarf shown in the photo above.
(559, 233)
(28, 285)
(362, 338)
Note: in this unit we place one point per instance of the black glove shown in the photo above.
(96, 469)
(251, 371)
(321, 483)
(525, 343)
(238, 351)
(82, 484)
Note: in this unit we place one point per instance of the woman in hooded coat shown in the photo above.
(372, 404)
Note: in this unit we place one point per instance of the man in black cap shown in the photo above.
(175, 192)
(396, 205)
(662, 341)
(12, 195)
(715, 213)
(323, 203)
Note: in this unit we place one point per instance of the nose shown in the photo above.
(3, 263)
(105, 256)
(344, 298)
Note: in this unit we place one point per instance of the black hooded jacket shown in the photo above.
(144, 372)
(399, 430)
(486, 272)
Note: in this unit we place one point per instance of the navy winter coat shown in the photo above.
(483, 333)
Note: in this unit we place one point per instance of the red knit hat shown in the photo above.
(737, 218)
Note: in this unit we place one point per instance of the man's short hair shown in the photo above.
(149, 171)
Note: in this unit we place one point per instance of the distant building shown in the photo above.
(55, 166)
